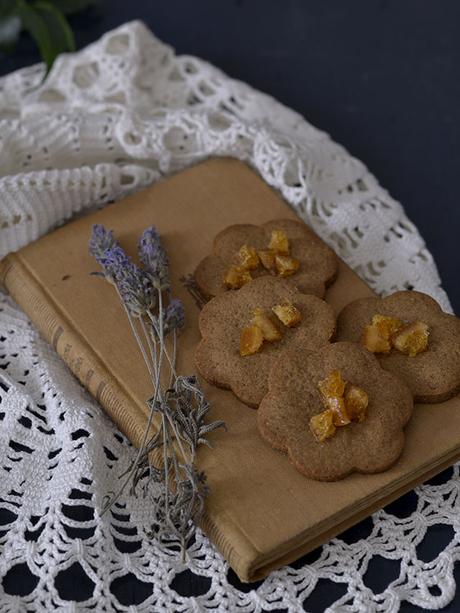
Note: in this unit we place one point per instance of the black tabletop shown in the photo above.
(381, 76)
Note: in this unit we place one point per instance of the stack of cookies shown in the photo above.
(333, 393)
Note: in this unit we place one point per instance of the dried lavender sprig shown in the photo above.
(154, 257)
(182, 407)
(101, 240)
(174, 316)
(132, 282)
(175, 506)
(189, 429)
(156, 380)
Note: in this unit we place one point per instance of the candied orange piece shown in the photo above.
(251, 340)
(270, 331)
(279, 242)
(331, 389)
(374, 341)
(332, 385)
(236, 277)
(386, 325)
(267, 258)
(286, 265)
(356, 401)
(412, 339)
(248, 258)
(337, 405)
(377, 336)
(288, 314)
(344, 403)
(322, 425)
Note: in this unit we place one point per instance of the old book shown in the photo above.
(261, 513)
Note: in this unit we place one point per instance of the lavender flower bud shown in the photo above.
(154, 258)
(132, 282)
(174, 316)
(101, 240)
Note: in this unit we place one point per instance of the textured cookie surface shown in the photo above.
(434, 375)
(222, 319)
(293, 398)
(318, 263)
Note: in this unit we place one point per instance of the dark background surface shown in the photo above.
(382, 77)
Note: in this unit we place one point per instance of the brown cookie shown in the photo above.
(318, 263)
(370, 446)
(222, 320)
(432, 375)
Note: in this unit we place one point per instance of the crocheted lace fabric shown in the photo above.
(109, 120)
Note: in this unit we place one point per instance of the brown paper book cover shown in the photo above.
(261, 513)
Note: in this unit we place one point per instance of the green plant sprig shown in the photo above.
(44, 20)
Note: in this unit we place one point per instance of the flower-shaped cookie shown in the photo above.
(318, 263)
(369, 446)
(222, 320)
(433, 375)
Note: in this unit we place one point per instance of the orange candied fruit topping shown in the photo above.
(377, 336)
(322, 425)
(343, 402)
(386, 325)
(385, 332)
(276, 259)
(279, 242)
(412, 339)
(248, 258)
(262, 328)
(251, 340)
(269, 329)
(374, 342)
(332, 389)
(356, 401)
(339, 410)
(286, 265)
(288, 314)
(236, 277)
(332, 385)
(267, 259)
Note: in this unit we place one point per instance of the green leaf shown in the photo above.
(37, 28)
(58, 25)
(49, 28)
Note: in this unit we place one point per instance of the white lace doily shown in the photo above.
(109, 120)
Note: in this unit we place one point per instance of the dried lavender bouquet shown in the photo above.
(178, 489)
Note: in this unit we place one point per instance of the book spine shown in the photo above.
(75, 351)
